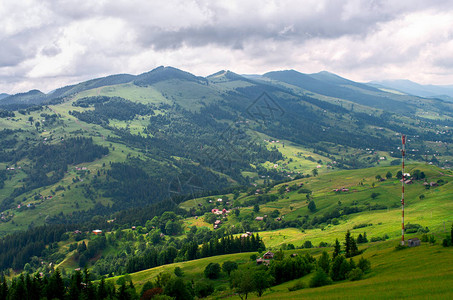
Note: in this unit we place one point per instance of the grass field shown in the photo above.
(421, 272)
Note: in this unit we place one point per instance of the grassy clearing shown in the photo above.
(423, 272)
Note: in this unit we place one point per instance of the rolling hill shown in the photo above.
(167, 133)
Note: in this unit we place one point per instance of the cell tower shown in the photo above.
(403, 154)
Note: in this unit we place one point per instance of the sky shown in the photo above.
(46, 44)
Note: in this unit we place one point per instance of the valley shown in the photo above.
(177, 170)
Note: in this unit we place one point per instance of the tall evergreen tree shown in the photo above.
(3, 289)
(55, 287)
(324, 262)
(347, 243)
(336, 249)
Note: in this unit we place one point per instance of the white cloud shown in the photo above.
(46, 44)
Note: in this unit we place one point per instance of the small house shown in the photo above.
(433, 184)
(260, 261)
(97, 231)
(259, 218)
(268, 255)
(414, 242)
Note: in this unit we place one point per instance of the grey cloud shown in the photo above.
(10, 54)
(51, 50)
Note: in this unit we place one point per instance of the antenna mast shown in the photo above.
(403, 153)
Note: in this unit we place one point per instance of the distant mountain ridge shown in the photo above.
(413, 88)
(322, 83)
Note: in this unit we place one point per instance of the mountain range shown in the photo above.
(128, 141)
(409, 87)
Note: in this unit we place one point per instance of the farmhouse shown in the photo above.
(268, 255)
(414, 242)
(259, 218)
(260, 261)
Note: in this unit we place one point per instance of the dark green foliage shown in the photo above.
(261, 281)
(320, 279)
(212, 271)
(324, 262)
(414, 228)
(388, 175)
(417, 175)
(241, 281)
(339, 266)
(3, 289)
(17, 249)
(308, 244)
(364, 265)
(106, 108)
(362, 238)
(245, 281)
(304, 191)
(229, 266)
(177, 288)
(399, 175)
(355, 274)
(374, 195)
(290, 268)
(203, 289)
(55, 287)
(350, 245)
(312, 206)
(337, 249)
(178, 272)
(297, 286)
(256, 208)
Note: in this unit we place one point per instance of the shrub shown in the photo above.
(364, 265)
(178, 272)
(320, 279)
(355, 274)
(297, 286)
(212, 271)
(203, 289)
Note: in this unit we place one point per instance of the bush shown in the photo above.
(229, 266)
(355, 274)
(297, 286)
(178, 272)
(212, 271)
(203, 289)
(308, 244)
(364, 265)
(320, 279)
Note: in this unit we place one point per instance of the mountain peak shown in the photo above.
(162, 73)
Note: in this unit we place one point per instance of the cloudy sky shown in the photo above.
(45, 44)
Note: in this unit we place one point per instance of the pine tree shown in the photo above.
(337, 249)
(3, 289)
(102, 292)
(354, 250)
(347, 243)
(324, 262)
(55, 287)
